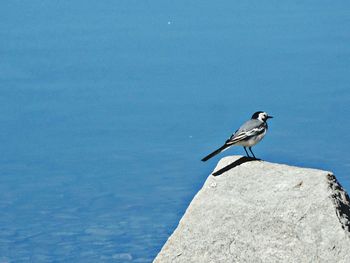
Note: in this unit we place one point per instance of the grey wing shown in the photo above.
(248, 129)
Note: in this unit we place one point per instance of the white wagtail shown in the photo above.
(249, 134)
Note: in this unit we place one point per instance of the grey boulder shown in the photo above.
(263, 212)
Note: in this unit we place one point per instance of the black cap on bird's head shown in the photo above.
(261, 115)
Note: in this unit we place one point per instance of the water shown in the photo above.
(107, 108)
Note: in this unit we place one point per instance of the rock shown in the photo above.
(258, 211)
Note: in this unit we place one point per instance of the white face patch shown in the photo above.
(262, 116)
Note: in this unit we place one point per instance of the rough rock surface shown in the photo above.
(263, 212)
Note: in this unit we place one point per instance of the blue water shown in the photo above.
(106, 108)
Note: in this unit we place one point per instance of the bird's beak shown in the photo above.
(269, 117)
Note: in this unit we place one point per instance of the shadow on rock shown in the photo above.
(239, 161)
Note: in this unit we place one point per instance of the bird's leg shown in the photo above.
(246, 151)
(250, 149)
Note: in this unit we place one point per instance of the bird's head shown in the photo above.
(261, 115)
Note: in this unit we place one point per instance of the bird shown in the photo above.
(249, 134)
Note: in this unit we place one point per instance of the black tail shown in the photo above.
(206, 158)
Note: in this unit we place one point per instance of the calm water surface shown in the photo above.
(107, 107)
